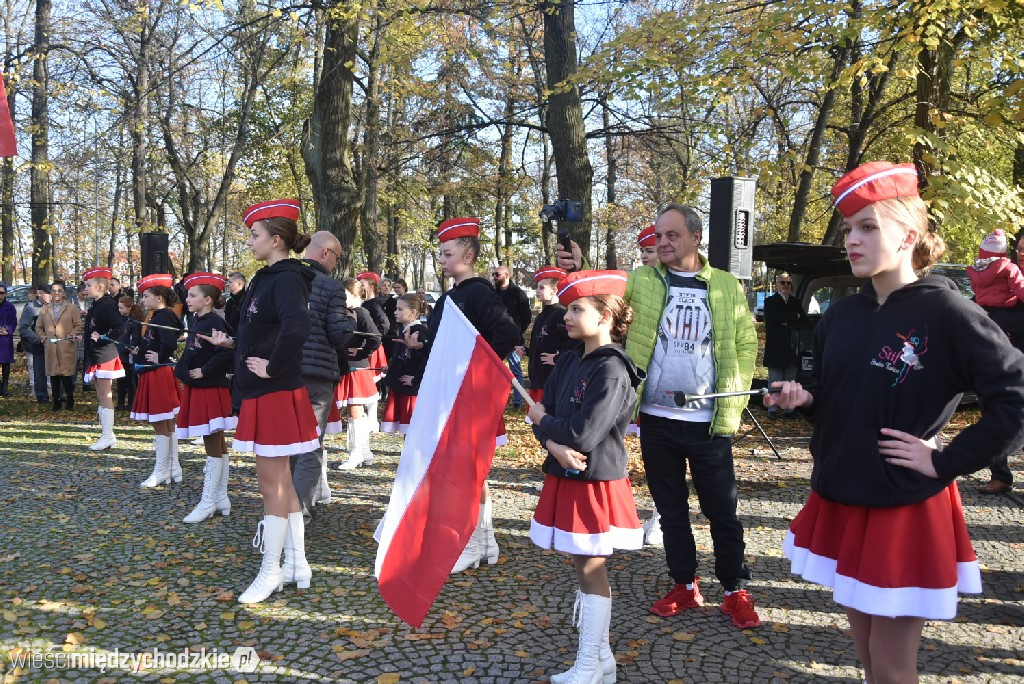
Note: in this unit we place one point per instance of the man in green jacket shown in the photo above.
(692, 332)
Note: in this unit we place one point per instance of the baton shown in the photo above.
(55, 340)
(144, 366)
(154, 325)
(684, 398)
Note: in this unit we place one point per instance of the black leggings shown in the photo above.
(65, 381)
(5, 374)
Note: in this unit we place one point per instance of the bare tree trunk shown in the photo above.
(7, 194)
(369, 178)
(803, 189)
(611, 258)
(1018, 165)
(42, 255)
(545, 195)
(139, 121)
(565, 115)
(502, 238)
(326, 138)
(116, 211)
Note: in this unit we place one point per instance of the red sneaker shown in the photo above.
(678, 600)
(740, 607)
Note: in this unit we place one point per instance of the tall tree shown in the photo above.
(40, 191)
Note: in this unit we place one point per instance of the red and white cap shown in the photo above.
(155, 280)
(874, 182)
(369, 275)
(646, 237)
(994, 245)
(453, 228)
(546, 272)
(205, 278)
(588, 283)
(98, 272)
(279, 208)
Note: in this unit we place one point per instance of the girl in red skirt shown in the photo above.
(276, 419)
(883, 526)
(586, 507)
(358, 387)
(405, 370)
(548, 338)
(205, 400)
(156, 397)
(103, 327)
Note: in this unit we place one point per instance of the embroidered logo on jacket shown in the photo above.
(578, 392)
(252, 310)
(905, 356)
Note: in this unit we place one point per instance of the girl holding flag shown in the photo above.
(205, 400)
(586, 506)
(102, 329)
(156, 396)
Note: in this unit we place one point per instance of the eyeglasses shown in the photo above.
(785, 282)
(336, 254)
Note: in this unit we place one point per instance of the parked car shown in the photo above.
(18, 295)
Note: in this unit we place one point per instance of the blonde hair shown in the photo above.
(912, 214)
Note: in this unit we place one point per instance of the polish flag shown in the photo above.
(435, 500)
(8, 141)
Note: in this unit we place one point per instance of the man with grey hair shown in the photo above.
(692, 332)
(782, 313)
(329, 334)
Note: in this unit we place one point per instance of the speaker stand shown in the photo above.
(757, 426)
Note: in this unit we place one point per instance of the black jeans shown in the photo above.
(1001, 470)
(668, 446)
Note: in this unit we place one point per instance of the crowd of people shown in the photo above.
(609, 353)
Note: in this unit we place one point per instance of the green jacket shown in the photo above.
(733, 336)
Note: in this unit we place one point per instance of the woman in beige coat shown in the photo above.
(58, 325)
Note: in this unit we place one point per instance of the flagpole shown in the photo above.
(522, 392)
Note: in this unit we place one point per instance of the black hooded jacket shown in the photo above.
(103, 318)
(214, 361)
(589, 401)
(480, 303)
(161, 340)
(273, 325)
(548, 336)
(904, 365)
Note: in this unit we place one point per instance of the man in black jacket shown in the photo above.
(329, 333)
(233, 307)
(782, 312)
(518, 305)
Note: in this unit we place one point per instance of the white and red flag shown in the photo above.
(435, 500)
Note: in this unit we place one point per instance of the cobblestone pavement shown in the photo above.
(90, 562)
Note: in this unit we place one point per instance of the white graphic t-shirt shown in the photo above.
(683, 358)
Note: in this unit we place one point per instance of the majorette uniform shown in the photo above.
(888, 540)
(645, 238)
(101, 357)
(276, 417)
(401, 397)
(589, 400)
(378, 359)
(205, 401)
(358, 384)
(548, 336)
(156, 396)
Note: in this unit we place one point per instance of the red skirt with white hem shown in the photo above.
(277, 424)
(157, 396)
(106, 370)
(586, 518)
(379, 362)
(501, 438)
(357, 387)
(334, 425)
(900, 561)
(204, 411)
(398, 412)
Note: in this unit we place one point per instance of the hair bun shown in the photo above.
(301, 242)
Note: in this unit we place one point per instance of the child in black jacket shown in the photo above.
(884, 525)
(586, 507)
(205, 400)
(102, 328)
(405, 369)
(358, 386)
(548, 338)
(156, 398)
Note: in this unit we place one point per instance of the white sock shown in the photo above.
(690, 587)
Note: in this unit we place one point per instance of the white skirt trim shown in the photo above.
(156, 417)
(102, 375)
(500, 441)
(397, 428)
(333, 428)
(214, 426)
(275, 450)
(930, 604)
(582, 544)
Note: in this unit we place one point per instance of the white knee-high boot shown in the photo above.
(161, 471)
(367, 423)
(107, 439)
(295, 568)
(207, 505)
(487, 522)
(595, 613)
(269, 539)
(605, 655)
(359, 444)
(223, 502)
(175, 466)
